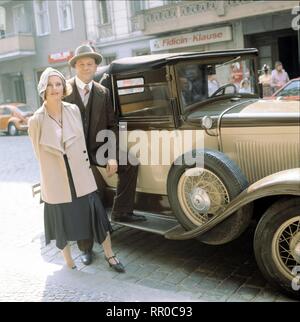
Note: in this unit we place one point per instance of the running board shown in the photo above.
(155, 223)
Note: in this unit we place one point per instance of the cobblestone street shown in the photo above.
(156, 269)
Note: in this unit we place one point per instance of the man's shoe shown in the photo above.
(127, 217)
(86, 258)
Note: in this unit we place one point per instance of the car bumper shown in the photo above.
(22, 127)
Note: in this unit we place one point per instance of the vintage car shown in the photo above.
(221, 157)
(14, 118)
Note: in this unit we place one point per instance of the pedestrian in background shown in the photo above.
(73, 210)
(279, 77)
(265, 81)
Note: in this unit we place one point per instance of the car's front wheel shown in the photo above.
(277, 245)
(12, 130)
(197, 195)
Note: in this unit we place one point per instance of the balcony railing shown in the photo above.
(16, 46)
(188, 14)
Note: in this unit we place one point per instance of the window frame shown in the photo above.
(111, 57)
(3, 13)
(148, 89)
(16, 29)
(59, 14)
(215, 61)
(36, 16)
(133, 9)
(100, 12)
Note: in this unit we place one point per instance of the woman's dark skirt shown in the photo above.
(83, 218)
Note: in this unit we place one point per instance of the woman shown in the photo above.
(265, 80)
(245, 86)
(73, 210)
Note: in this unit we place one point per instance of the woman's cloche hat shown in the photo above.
(85, 51)
(42, 85)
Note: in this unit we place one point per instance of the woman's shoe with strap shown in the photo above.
(117, 266)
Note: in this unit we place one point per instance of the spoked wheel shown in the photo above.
(277, 245)
(201, 196)
(198, 194)
(286, 245)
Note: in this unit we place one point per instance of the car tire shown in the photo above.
(220, 181)
(277, 245)
(12, 130)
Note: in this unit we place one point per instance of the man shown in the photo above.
(279, 77)
(97, 114)
(186, 93)
(196, 86)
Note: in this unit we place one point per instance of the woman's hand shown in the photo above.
(111, 167)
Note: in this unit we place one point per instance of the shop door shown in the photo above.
(289, 55)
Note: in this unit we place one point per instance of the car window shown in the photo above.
(292, 89)
(199, 82)
(5, 111)
(130, 86)
(24, 108)
(145, 94)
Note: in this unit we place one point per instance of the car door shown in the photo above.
(144, 108)
(5, 115)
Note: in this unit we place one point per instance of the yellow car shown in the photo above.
(14, 118)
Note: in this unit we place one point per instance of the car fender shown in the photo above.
(286, 182)
(14, 120)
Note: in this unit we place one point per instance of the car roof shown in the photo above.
(157, 60)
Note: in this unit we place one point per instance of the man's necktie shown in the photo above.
(86, 92)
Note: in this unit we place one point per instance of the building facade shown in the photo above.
(133, 27)
(34, 35)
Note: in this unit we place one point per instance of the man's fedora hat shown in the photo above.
(83, 52)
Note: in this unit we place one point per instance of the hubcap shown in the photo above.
(286, 246)
(201, 195)
(295, 247)
(12, 130)
(200, 200)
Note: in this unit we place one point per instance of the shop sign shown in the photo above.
(60, 57)
(192, 39)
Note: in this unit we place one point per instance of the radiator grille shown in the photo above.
(259, 159)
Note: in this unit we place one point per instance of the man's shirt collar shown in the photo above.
(81, 84)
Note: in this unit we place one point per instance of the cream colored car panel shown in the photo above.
(261, 151)
(272, 106)
(153, 178)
